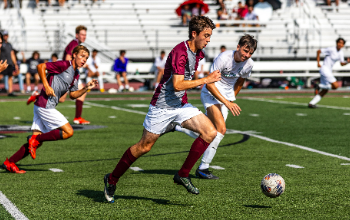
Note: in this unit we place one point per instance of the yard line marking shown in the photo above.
(296, 103)
(345, 164)
(11, 208)
(217, 167)
(254, 115)
(138, 105)
(294, 166)
(56, 170)
(17, 118)
(112, 116)
(346, 114)
(136, 169)
(240, 132)
(301, 114)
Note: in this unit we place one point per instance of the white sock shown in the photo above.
(190, 133)
(315, 100)
(121, 88)
(100, 81)
(88, 79)
(35, 88)
(210, 152)
(328, 86)
(29, 88)
(127, 86)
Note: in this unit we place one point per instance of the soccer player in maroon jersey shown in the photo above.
(169, 104)
(48, 123)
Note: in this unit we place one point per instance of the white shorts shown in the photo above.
(209, 100)
(327, 78)
(46, 120)
(157, 119)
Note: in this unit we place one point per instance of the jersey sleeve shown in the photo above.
(218, 64)
(70, 47)
(57, 67)
(248, 72)
(341, 57)
(178, 62)
(326, 51)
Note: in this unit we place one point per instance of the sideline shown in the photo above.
(11, 208)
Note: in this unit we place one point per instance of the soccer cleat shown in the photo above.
(33, 97)
(80, 121)
(186, 182)
(11, 167)
(169, 128)
(312, 106)
(102, 90)
(33, 144)
(109, 189)
(317, 89)
(205, 174)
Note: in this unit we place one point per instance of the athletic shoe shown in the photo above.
(33, 97)
(312, 106)
(11, 167)
(317, 89)
(109, 190)
(102, 90)
(11, 94)
(80, 121)
(186, 182)
(33, 144)
(169, 128)
(205, 174)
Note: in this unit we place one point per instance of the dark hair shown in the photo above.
(198, 24)
(162, 52)
(35, 52)
(78, 48)
(249, 41)
(121, 52)
(94, 50)
(54, 55)
(339, 39)
(223, 47)
(79, 28)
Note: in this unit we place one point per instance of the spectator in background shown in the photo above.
(32, 63)
(197, 10)
(222, 49)
(241, 11)
(48, 2)
(200, 73)
(93, 64)
(251, 16)
(7, 53)
(3, 64)
(18, 73)
(160, 64)
(54, 58)
(186, 15)
(120, 68)
(329, 3)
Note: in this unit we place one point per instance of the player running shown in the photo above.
(48, 123)
(235, 66)
(328, 81)
(169, 104)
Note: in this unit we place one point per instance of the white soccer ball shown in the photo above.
(273, 185)
(112, 91)
(131, 89)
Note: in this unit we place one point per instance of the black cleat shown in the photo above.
(169, 128)
(109, 190)
(186, 182)
(205, 174)
(312, 106)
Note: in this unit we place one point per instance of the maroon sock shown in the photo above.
(53, 135)
(122, 166)
(20, 154)
(197, 149)
(78, 108)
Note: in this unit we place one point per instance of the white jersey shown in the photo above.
(91, 63)
(160, 62)
(332, 55)
(230, 73)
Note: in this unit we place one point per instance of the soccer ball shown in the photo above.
(273, 185)
(112, 91)
(131, 89)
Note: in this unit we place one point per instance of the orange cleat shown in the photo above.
(80, 121)
(11, 167)
(33, 97)
(33, 145)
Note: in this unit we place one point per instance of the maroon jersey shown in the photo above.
(70, 48)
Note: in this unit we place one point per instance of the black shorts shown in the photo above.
(33, 73)
(8, 71)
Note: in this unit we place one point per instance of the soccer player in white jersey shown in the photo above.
(169, 104)
(328, 81)
(235, 66)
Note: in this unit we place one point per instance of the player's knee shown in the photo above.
(210, 135)
(222, 130)
(144, 148)
(335, 86)
(69, 133)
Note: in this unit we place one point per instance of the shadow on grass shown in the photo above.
(164, 172)
(258, 206)
(98, 196)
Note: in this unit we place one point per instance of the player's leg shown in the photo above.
(79, 102)
(328, 81)
(37, 79)
(63, 98)
(159, 78)
(126, 81)
(120, 85)
(29, 89)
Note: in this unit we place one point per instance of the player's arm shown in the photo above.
(88, 86)
(68, 57)
(14, 60)
(3, 65)
(42, 74)
(181, 84)
(233, 107)
(344, 63)
(318, 58)
(238, 85)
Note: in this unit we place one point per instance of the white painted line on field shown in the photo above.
(117, 108)
(2, 136)
(112, 116)
(346, 114)
(11, 208)
(66, 117)
(345, 96)
(217, 167)
(17, 118)
(295, 103)
(138, 105)
(294, 166)
(135, 168)
(345, 164)
(301, 114)
(56, 170)
(254, 115)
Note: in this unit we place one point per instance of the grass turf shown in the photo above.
(319, 191)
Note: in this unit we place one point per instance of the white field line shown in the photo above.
(295, 103)
(217, 167)
(56, 170)
(294, 166)
(136, 169)
(240, 132)
(11, 208)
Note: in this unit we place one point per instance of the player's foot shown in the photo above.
(109, 190)
(317, 89)
(33, 97)
(33, 144)
(186, 182)
(11, 167)
(80, 121)
(205, 174)
(12, 94)
(312, 106)
(169, 128)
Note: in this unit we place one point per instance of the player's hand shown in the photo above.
(16, 67)
(348, 60)
(234, 108)
(3, 65)
(92, 84)
(49, 91)
(214, 76)
(319, 65)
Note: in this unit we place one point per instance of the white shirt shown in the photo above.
(200, 65)
(230, 73)
(332, 55)
(160, 62)
(90, 62)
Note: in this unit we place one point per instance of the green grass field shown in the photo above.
(318, 191)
